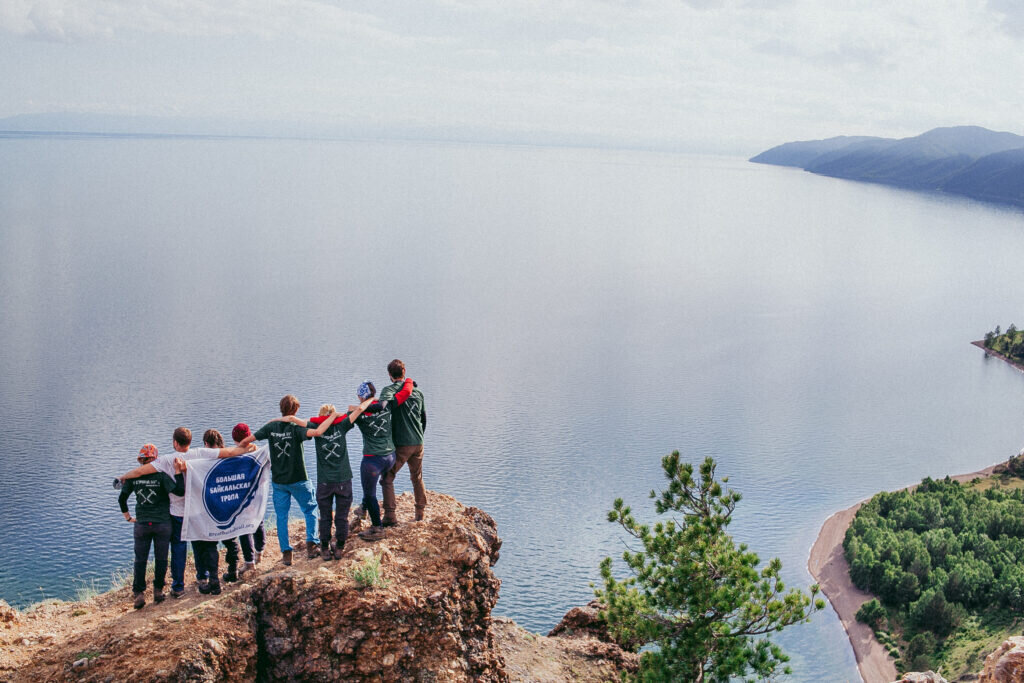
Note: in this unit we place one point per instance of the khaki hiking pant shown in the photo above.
(413, 455)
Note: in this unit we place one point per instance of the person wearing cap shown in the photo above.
(378, 448)
(254, 541)
(152, 523)
(407, 427)
(333, 472)
(288, 477)
(182, 442)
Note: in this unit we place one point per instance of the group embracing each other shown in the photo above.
(392, 426)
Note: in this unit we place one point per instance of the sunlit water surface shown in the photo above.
(571, 316)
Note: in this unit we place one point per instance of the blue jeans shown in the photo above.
(179, 552)
(302, 492)
(370, 470)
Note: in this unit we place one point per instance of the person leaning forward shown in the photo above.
(407, 427)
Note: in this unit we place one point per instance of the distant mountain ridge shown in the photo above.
(964, 160)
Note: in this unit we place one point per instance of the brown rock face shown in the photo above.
(1006, 663)
(431, 621)
(925, 677)
(426, 618)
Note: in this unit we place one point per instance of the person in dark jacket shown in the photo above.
(152, 523)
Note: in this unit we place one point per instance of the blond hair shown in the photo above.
(326, 409)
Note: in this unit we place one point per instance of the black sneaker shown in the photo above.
(204, 587)
(215, 588)
(231, 575)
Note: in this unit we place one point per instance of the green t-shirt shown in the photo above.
(152, 503)
(409, 420)
(376, 429)
(332, 465)
(287, 461)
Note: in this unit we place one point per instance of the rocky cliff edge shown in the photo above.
(428, 618)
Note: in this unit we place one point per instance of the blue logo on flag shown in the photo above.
(230, 487)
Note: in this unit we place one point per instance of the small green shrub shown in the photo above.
(367, 573)
(871, 613)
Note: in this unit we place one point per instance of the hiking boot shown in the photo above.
(140, 601)
(325, 552)
(215, 588)
(312, 549)
(286, 557)
(389, 523)
(246, 568)
(203, 586)
(338, 550)
(419, 515)
(259, 556)
(158, 595)
(374, 533)
(177, 594)
(231, 575)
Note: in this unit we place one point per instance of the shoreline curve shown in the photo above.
(827, 564)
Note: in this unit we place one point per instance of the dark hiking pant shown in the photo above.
(370, 470)
(157, 534)
(246, 541)
(413, 455)
(334, 499)
(207, 560)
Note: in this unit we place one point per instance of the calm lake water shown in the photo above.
(571, 316)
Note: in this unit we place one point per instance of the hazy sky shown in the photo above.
(742, 74)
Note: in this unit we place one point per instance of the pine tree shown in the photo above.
(694, 594)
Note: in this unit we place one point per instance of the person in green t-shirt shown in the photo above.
(288, 476)
(378, 449)
(407, 427)
(333, 472)
(152, 523)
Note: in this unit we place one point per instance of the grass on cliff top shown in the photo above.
(1003, 482)
(965, 650)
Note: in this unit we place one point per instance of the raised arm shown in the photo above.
(403, 393)
(356, 411)
(319, 431)
(139, 471)
(292, 419)
(240, 449)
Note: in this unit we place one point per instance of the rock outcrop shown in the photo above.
(425, 614)
(925, 677)
(419, 610)
(1006, 663)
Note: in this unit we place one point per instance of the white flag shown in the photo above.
(226, 497)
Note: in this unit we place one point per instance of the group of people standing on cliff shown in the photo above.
(392, 426)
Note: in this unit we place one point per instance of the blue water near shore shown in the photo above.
(571, 315)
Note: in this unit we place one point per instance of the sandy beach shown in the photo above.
(829, 568)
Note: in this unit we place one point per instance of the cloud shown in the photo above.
(75, 20)
(1011, 14)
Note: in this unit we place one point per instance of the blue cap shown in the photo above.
(363, 392)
